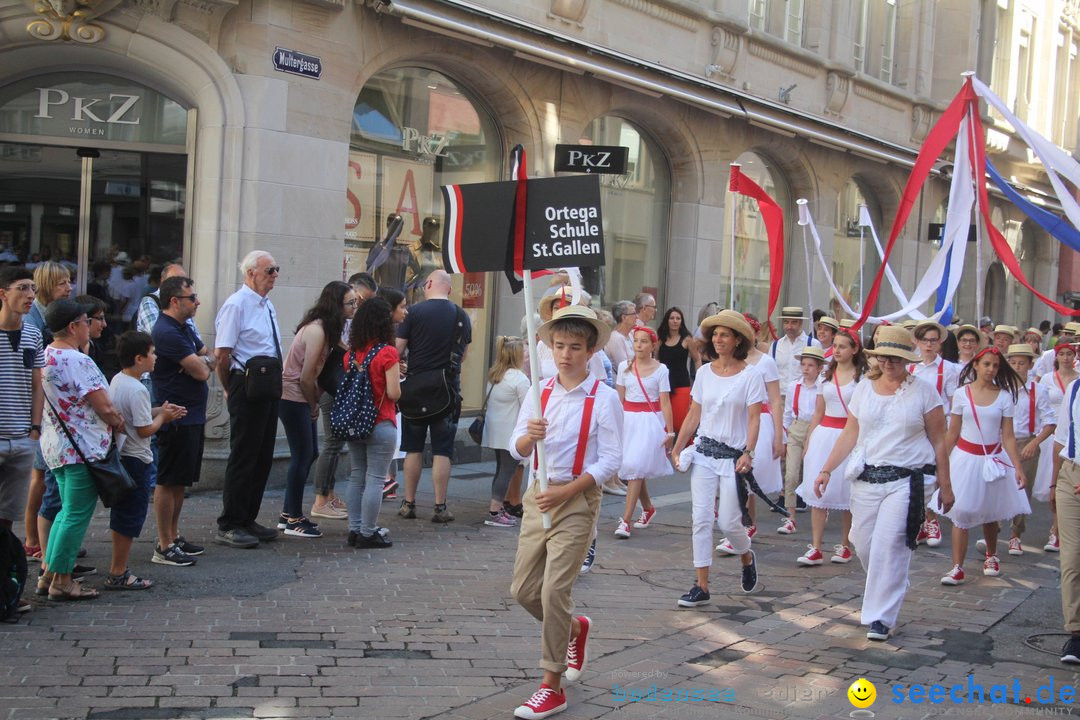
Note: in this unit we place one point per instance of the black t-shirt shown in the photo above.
(430, 327)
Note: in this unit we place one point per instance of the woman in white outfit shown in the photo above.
(837, 388)
(1057, 380)
(899, 426)
(725, 412)
(507, 387)
(987, 478)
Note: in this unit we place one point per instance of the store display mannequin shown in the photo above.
(426, 257)
(388, 261)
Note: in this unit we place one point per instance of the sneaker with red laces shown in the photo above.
(725, 547)
(1052, 544)
(954, 576)
(921, 537)
(545, 702)
(933, 533)
(751, 531)
(788, 528)
(623, 531)
(577, 652)
(645, 518)
(992, 566)
(841, 554)
(813, 556)
(1015, 548)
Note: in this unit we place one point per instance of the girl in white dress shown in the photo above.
(507, 387)
(645, 391)
(1063, 374)
(725, 411)
(837, 388)
(770, 440)
(987, 479)
(899, 426)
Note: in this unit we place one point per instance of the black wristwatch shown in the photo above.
(35, 428)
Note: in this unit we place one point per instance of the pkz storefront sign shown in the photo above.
(297, 63)
(603, 159)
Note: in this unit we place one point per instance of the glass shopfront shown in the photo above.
(414, 130)
(854, 258)
(636, 217)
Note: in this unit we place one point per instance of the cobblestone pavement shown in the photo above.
(313, 629)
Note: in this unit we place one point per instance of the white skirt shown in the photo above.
(766, 467)
(1041, 489)
(838, 492)
(643, 453)
(978, 501)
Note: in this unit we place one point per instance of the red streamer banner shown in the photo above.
(773, 217)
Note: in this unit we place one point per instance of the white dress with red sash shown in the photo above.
(820, 443)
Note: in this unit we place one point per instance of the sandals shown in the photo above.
(127, 581)
(66, 595)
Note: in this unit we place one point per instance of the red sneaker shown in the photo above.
(933, 533)
(921, 537)
(577, 651)
(841, 554)
(955, 576)
(545, 702)
(812, 556)
(992, 566)
(751, 531)
(644, 519)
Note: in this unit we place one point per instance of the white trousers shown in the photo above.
(878, 520)
(705, 486)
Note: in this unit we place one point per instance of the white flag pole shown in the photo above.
(534, 365)
(862, 257)
(804, 220)
(731, 266)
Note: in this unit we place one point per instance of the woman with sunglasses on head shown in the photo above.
(317, 333)
(838, 385)
(1056, 381)
(897, 425)
(984, 464)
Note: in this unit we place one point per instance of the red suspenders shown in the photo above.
(940, 373)
(798, 387)
(586, 422)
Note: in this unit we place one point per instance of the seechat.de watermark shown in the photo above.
(970, 693)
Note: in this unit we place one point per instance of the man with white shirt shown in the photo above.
(1065, 498)
(645, 304)
(826, 328)
(791, 343)
(248, 339)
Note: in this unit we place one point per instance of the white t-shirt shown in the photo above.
(68, 378)
(724, 402)
(1045, 410)
(988, 431)
(892, 429)
(941, 373)
(655, 383)
(132, 401)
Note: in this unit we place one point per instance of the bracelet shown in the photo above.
(826, 473)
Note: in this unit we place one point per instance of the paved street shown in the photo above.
(314, 629)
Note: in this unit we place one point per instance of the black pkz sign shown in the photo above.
(604, 159)
(563, 225)
(297, 63)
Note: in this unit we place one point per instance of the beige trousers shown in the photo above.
(547, 564)
(796, 441)
(1068, 514)
(1030, 468)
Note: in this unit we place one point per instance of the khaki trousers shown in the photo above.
(1068, 514)
(1030, 468)
(548, 563)
(796, 441)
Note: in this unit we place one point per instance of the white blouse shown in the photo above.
(892, 429)
(990, 417)
(724, 402)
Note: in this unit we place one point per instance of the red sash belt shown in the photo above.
(833, 421)
(630, 406)
(765, 408)
(976, 449)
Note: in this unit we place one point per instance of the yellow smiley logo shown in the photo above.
(862, 693)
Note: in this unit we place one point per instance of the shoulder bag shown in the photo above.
(262, 373)
(333, 371)
(476, 428)
(431, 394)
(111, 478)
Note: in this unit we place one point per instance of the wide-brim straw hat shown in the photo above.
(1021, 349)
(847, 323)
(731, 320)
(1072, 327)
(1033, 331)
(925, 325)
(811, 351)
(828, 320)
(1004, 330)
(909, 324)
(576, 312)
(970, 329)
(895, 341)
(792, 312)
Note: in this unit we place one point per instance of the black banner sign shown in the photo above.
(563, 226)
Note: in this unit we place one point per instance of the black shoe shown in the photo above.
(695, 597)
(749, 575)
(81, 554)
(800, 504)
(1071, 652)
(442, 514)
(261, 532)
(515, 510)
(172, 555)
(590, 558)
(82, 571)
(237, 538)
(779, 502)
(189, 548)
(879, 631)
(376, 540)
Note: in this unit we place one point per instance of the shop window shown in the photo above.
(751, 239)
(414, 130)
(636, 207)
(854, 257)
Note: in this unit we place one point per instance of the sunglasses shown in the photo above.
(192, 297)
(273, 270)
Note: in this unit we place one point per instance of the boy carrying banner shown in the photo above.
(581, 426)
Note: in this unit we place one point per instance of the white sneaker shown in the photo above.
(725, 547)
(623, 531)
(614, 487)
(788, 528)
(980, 545)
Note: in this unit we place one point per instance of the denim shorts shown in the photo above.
(39, 459)
(127, 517)
(51, 504)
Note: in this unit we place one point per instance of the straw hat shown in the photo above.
(894, 341)
(731, 320)
(922, 327)
(830, 321)
(1034, 331)
(1021, 349)
(1072, 327)
(909, 324)
(969, 329)
(792, 312)
(547, 304)
(847, 323)
(811, 351)
(576, 312)
(1004, 330)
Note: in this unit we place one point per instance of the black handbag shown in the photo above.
(111, 478)
(262, 373)
(426, 395)
(333, 372)
(476, 427)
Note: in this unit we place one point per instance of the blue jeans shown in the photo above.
(370, 461)
(303, 435)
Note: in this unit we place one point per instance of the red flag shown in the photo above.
(773, 217)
